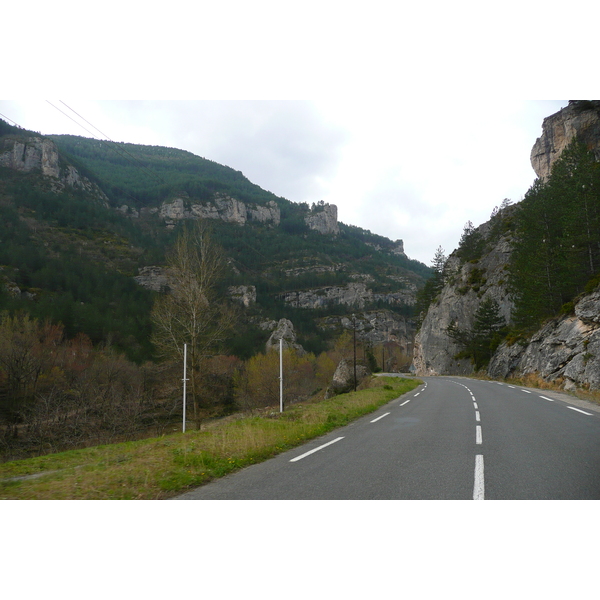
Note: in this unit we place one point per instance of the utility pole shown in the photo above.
(354, 330)
(281, 374)
(184, 382)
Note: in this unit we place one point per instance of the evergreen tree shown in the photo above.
(480, 342)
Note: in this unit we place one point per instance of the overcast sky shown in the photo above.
(408, 116)
(415, 170)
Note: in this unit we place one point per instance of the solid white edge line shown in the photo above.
(478, 437)
(381, 417)
(549, 399)
(581, 411)
(479, 485)
(316, 449)
(405, 403)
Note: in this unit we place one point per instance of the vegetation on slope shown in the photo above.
(169, 465)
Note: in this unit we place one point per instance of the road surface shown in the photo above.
(453, 438)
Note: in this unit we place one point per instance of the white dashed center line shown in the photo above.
(381, 417)
(316, 449)
(479, 486)
(478, 437)
(581, 411)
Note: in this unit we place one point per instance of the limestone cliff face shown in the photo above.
(37, 154)
(353, 294)
(467, 285)
(376, 327)
(323, 219)
(581, 118)
(222, 207)
(566, 350)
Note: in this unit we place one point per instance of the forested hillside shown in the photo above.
(80, 220)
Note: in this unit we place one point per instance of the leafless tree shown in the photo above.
(191, 312)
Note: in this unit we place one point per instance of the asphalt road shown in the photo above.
(453, 438)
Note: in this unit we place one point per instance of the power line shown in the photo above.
(116, 148)
(115, 143)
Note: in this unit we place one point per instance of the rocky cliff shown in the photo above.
(323, 218)
(36, 154)
(565, 351)
(222, 207)
(581, 118)
(467, 284)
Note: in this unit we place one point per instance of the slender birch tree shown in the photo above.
(191, 312)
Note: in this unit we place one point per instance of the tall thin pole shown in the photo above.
(280, 374)
(184, 381)
(354, 328)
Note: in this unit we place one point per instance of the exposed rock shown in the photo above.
(323, 218)
(353, 294)
(343, 378)
(566, 349)
(152, 278)
(468, 284)
(244, 294)
(580, 118)
(222, 207)
(32, 154)
(376, 328)
(284, 331)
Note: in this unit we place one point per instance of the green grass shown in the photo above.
(167, 466)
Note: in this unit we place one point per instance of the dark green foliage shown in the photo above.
(480, 343)
(471, 245)
(433, 286)
(557, 241)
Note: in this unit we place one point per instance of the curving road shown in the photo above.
(452, 438)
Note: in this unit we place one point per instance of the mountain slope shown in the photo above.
(84, 218)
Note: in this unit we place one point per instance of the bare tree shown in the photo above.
(191, 312)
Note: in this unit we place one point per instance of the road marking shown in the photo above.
(475, 406)
(512, 387)
(477, 416)
(381, 417)
(549, 399)
(405, 403)
(479, 486)
(417, 394)
(581, 411)
(478, 438)
(526, 391)
(316, 449)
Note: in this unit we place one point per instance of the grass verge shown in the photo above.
(164, 467)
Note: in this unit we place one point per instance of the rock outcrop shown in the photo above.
(343, 378)
(244, 294)
(37, 154)
(284, 330)
(566, 350)
(152, 278)
(467, 285)
(353, 294)
(222, 207)
(376, 328)
(581, 118)
(323, 218)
